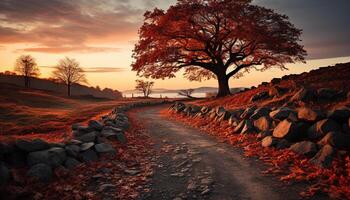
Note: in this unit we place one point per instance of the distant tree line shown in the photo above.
(67, 71)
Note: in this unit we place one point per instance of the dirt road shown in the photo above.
(194, 165)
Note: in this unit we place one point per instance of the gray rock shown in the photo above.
(53, 157)
(281, 113)
(233, 121)
(269, 141)
(248, 127)
(71, 163)
(88, 137)
(240, 126)
(104, 148)
(74, 142)
(72, 150)
(259, 96)
(335, 139)
(307, 114)
(121, 138)
(277, 91)
(324, 157)
(16, 158)
(41, 171)
(263, 123)
(264, 134)
(321, 128)
(289, 130)
(303, 95)
(96, 125)
(84, 129)
(260, 112)
(89, 156)
(305, 148)
(248, 112)
(32, 145)
(341, 114)
(327, 93)
(86, 146)
(5, 174)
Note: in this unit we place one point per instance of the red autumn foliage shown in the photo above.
(289, 166)
(215, 39)
(82, 182)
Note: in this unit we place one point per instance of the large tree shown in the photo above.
(27, 67)
(69, 72)
(215, 39)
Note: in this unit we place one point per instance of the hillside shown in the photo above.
(196, 90)
(335, 79)
(44, 84)
(24, 111)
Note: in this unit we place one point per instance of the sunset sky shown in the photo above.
(101, 34)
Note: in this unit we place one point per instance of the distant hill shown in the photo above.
(196, 90)
(50, 85)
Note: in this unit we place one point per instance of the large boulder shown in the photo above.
(303, 95)
(263, 111)
(259, 96)
(72, 150)
(263, 123)
(277, 91)
(88, 137)
(86, 146)
(289, 130)
(336, 139)
(308, 114)
(281, 113)
(324, 157)
(71, 163)
(341, 114)
(233, 121)
(305, 148)
(4, 174)
(269, 141)
(327, 93)
(41, 171)
(248, 112)
(321, 128)
(89, 156)
(32, 145)
(241, 125)
(248, 127)
(105, 148)
(53, 157)
(96, 125)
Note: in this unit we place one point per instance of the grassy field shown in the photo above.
(38, 113)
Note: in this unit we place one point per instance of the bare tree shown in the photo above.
(69, 72)
(186, 93)
(27, 67)
(145, 87)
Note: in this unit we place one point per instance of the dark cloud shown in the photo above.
(58, 26)
(325, 24)
(52, 25)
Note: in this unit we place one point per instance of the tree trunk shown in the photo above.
(224, 88)
(68, 89)
(26, 82)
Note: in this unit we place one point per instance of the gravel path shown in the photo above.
(194, 165)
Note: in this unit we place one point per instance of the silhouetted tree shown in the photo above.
(145, 87)
(215, 39)
(69, 72)
(27, 67)
(186, 93)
